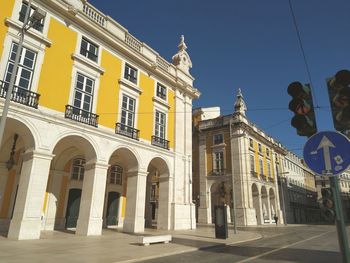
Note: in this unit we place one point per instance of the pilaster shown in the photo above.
(26, 221)
(92, 200)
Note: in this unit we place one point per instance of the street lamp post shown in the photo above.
(283, 201)
(28, 23)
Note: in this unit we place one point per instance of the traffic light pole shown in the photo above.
(339, 219)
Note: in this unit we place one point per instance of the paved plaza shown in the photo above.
(112, 246)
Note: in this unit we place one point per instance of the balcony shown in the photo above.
(217, 172)
(160, 142)
(127, 131)
(254, 174)
(80, 115)
(262, 177)
(20, 95)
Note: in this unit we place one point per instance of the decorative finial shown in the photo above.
(181, 59)
(240, 104)
(182, 46)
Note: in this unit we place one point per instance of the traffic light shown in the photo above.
(328, 203)
(339, 96)
(302, 106)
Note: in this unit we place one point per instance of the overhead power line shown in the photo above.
(302, 50)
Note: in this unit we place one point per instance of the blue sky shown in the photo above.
(250, 45)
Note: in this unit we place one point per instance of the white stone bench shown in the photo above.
(146, 240)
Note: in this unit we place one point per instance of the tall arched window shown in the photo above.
(116, 175)
(78, 169)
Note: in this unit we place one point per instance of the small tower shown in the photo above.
(240, 104)
(181, 59)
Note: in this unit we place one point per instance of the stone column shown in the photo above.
(92, 200)
(164, 209)
(3, 180)
(269, 208)
(204, 210)
(26, 221)
(134, 221)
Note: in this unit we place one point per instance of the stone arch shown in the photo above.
(126, 160)
(68, 148)
(158, 194)
(221, 194)
(19, 137)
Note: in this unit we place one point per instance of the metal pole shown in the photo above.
(339, 219)
(13, 75)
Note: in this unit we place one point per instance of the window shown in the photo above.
(89, 50)
(128, 111)
(261, 166)
(161, 91)
(83, 94)
(323, 184)
(218, 138)
(116, 175)
(219, 160)
(252, 163)
(251, 142)
(259, 148)
(160, 125)
(37, 25)
(78, 169)
(269, 169)
(25, 67)
(130, 74)
(267, 152)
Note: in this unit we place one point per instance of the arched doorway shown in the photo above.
(115, 196)
(158, 191)
(221, 194)
(70, 167)
(265, 206)
(257, 204)
(273, 207)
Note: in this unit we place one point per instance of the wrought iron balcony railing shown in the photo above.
(217, 172)
(80, 115)
(20, 95)
(127, 131)
(160, 142)
(255, 174)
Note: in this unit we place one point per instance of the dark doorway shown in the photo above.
(112, 208)
(73, 208)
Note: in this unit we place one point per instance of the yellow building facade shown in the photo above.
(235, 164)
(94, 113)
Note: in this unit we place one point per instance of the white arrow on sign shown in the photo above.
(325, 144)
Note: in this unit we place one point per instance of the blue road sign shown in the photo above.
(327, 153)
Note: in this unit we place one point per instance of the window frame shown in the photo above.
(115, 175)
(79, 164)
(22, 68)
(215, 141)
(128, 69)
(39, 25)
(161, 91)
(160, 127)
(127, 111)
(219, 163)
(85, 52)
(83, 92)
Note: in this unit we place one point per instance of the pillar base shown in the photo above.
(25, 229)
(134, 226)
(89, 227)
(246, 217)
(204, 216)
